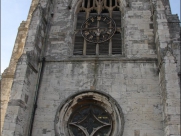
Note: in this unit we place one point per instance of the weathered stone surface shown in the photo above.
(8, 74)
(144, 80)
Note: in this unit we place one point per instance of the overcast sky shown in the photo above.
(13, 12)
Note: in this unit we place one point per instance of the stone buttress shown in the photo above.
(44, 74)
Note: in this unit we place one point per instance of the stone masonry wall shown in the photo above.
(63, 79)
(169, 85)
(8, 74)
(168, 51)
(19, 108)
(5, 83)
(139, 80)
(137, 26)
(134, 85)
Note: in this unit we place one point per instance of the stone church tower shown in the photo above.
(94, 68)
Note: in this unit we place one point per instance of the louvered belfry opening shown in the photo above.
(89, 8)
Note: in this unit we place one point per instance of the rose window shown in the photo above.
(90, 120)
(89, 114)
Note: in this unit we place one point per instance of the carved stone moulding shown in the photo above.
(89, 113)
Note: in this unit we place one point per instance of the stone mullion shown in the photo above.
(88, 4)
(110, 41)
(85, 42)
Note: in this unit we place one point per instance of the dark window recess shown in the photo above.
(93, 11)
(92, 119)
(91, 49)
(108, 3)
(103, 24)
(80, 16)
(105, 11)
(93, 24)
(116, 43)
(112, 46)
(85, 2)
(116, 9)
(103, 132)
(104, 48)
(92, 14)
(113, 3)
(116, 15)
(91, 3)
(78, 46)
(151, 26)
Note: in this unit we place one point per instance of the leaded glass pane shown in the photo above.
(97, 31)
(90, 120)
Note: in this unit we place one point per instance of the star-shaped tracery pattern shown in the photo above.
(90, 120)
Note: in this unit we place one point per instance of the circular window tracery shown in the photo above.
(90, 113)
(90, 120)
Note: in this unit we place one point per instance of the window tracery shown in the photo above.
(89, 113)
(92, 8)
(90, 120)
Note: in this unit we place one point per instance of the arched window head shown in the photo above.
(98, 28)
(89, 113)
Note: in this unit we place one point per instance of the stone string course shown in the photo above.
(144, 80)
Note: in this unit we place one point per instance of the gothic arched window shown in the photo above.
(98, 28)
